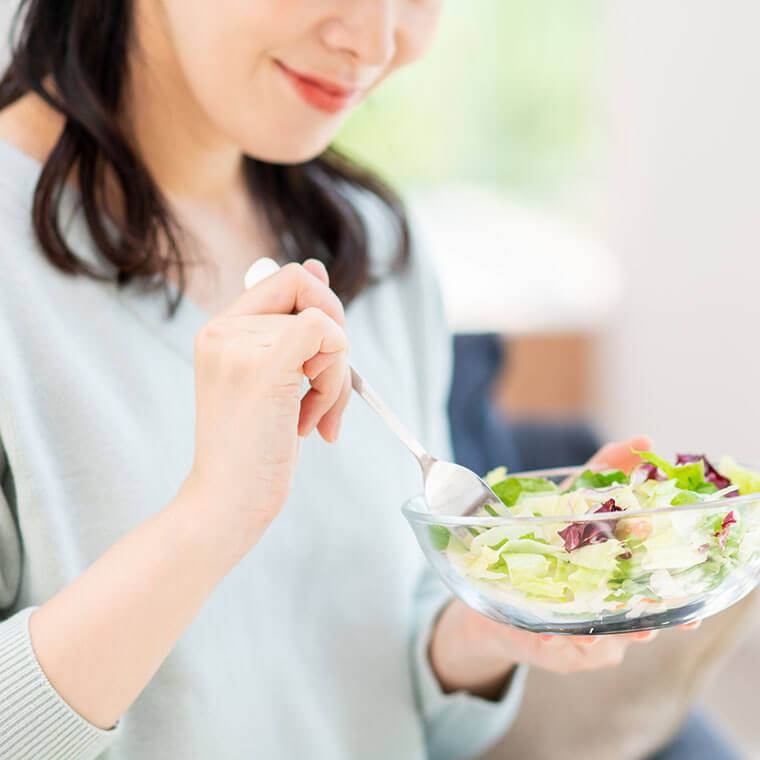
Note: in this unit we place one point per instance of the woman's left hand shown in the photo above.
(472, 652)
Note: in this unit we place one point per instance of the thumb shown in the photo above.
(641, 443)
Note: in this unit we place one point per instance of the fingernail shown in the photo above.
(319, 263)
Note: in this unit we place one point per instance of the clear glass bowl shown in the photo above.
(682, 575)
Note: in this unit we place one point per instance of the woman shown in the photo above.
(169, 604)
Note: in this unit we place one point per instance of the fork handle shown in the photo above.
(364, 390)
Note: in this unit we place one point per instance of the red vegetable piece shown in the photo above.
(577, 534)
(652, 471)
(722, 534)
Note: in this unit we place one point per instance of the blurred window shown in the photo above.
(504, 98)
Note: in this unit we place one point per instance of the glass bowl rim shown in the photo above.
(433, 518)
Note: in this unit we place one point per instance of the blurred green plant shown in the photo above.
(505, 97)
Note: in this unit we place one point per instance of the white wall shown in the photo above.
(681, 361)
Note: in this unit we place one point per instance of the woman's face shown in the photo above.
(249, 65)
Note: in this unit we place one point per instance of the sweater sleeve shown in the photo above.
(457, 725)
(35, 721)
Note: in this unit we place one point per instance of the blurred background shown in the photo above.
(584, 175)
(595, 163)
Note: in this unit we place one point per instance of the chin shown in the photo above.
(297, 150)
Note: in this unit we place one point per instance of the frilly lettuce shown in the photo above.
(746, 480)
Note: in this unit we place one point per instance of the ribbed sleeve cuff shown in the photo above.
(35, 721)
(460, 725)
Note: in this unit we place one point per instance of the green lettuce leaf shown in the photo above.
(685, 497)
(588, 479)
(510, 490)
(690, 477)
(746, 480)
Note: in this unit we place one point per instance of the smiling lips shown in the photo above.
(319, 93)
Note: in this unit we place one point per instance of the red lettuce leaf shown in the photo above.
(579, 534)
(651, 471)
(722, 534)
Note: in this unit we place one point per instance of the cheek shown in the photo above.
(418, 28)
(220, 43)
(225, 49)
(415, 34)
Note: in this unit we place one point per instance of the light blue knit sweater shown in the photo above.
(314, 646)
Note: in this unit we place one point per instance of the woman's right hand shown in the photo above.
(250, 362)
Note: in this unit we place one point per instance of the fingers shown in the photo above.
(325, 391)
(641, 443)
(310, 344)
(316, 333)
(585, 640)
(616, 455)
(616, 448)
(292, 288)
(318, 349)
(327, 371)
(624, 637)
(317, 365)
(329, 425)
(606, 653)
(619, 454)
(643, 635)
(572, 654)
(590, 641)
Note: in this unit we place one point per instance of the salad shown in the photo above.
(617, 564)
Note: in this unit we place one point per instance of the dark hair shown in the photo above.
(82, 45)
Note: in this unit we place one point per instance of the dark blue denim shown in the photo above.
(484, 437)
(698, 740)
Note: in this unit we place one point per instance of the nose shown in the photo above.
(365, 29)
